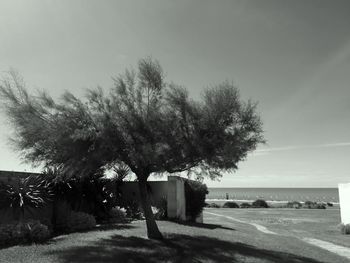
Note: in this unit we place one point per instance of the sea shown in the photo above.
(275, 194)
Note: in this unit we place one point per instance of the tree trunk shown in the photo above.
(152, 228)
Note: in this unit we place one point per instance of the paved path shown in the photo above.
(257, 226)
(339, 250)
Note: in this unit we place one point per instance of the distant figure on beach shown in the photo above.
(226, 196)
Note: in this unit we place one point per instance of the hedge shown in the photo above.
(195, 193)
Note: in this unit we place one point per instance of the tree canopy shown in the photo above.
(143, 122)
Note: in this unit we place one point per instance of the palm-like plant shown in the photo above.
(29, 192)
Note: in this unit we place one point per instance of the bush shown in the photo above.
(294, 204)
(78, 221)
(133, 210)
(91, 194)
(329, 204)
(213, 205)
(23, 232)
(230, 205)
(38, 232)
(116, 215)
(260, 203)
(245, 205)
(345, 229)
(162, 209)
(314, 205)
(29, 192)
(195, 193)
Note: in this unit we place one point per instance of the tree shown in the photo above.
(144, 123)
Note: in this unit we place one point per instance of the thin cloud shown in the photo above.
(297, 147)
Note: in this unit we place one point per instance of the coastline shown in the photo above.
(273, 203)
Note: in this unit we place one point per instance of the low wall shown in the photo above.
(344, 201)
(173, 191)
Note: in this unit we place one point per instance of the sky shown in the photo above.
(293, 57)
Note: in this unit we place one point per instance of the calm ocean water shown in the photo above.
(276, 194)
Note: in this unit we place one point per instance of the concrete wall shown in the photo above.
(176, 198)
(173, 191)
(12, 177)
(344, 200)
(157, 189)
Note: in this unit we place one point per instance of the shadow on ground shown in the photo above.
(114, 226)
(202, 225)
(175, 248)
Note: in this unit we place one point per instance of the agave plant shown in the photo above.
(29, 192)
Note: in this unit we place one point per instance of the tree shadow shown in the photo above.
(203, 225)
(113, 226)
(174, 248)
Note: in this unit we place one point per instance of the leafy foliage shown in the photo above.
(314, 205)
(212, 205)
(78, 221)
(133, 209)
(162, 207)
(195, 193)
(260, 203)
(116, 215)
(88, 194)
(32, 191)
(230, 205)
(23, 232)
(294, 204)
(143, 122)
(245, 205)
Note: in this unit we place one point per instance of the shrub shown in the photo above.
(314, 205)
(320, 206)
(116, 215)
(29, 192)
(245, 205)
(162, 209)
(230, 205)
(91, 194)
(195, 193)
(23, 232)
(78, 221)
(345, 229)
(133, 210)
(329, 204)
(260, 203)
(294, 204)
(213, 205)
(309, 204)
(38, 232)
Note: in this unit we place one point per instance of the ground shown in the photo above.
(228, 235)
